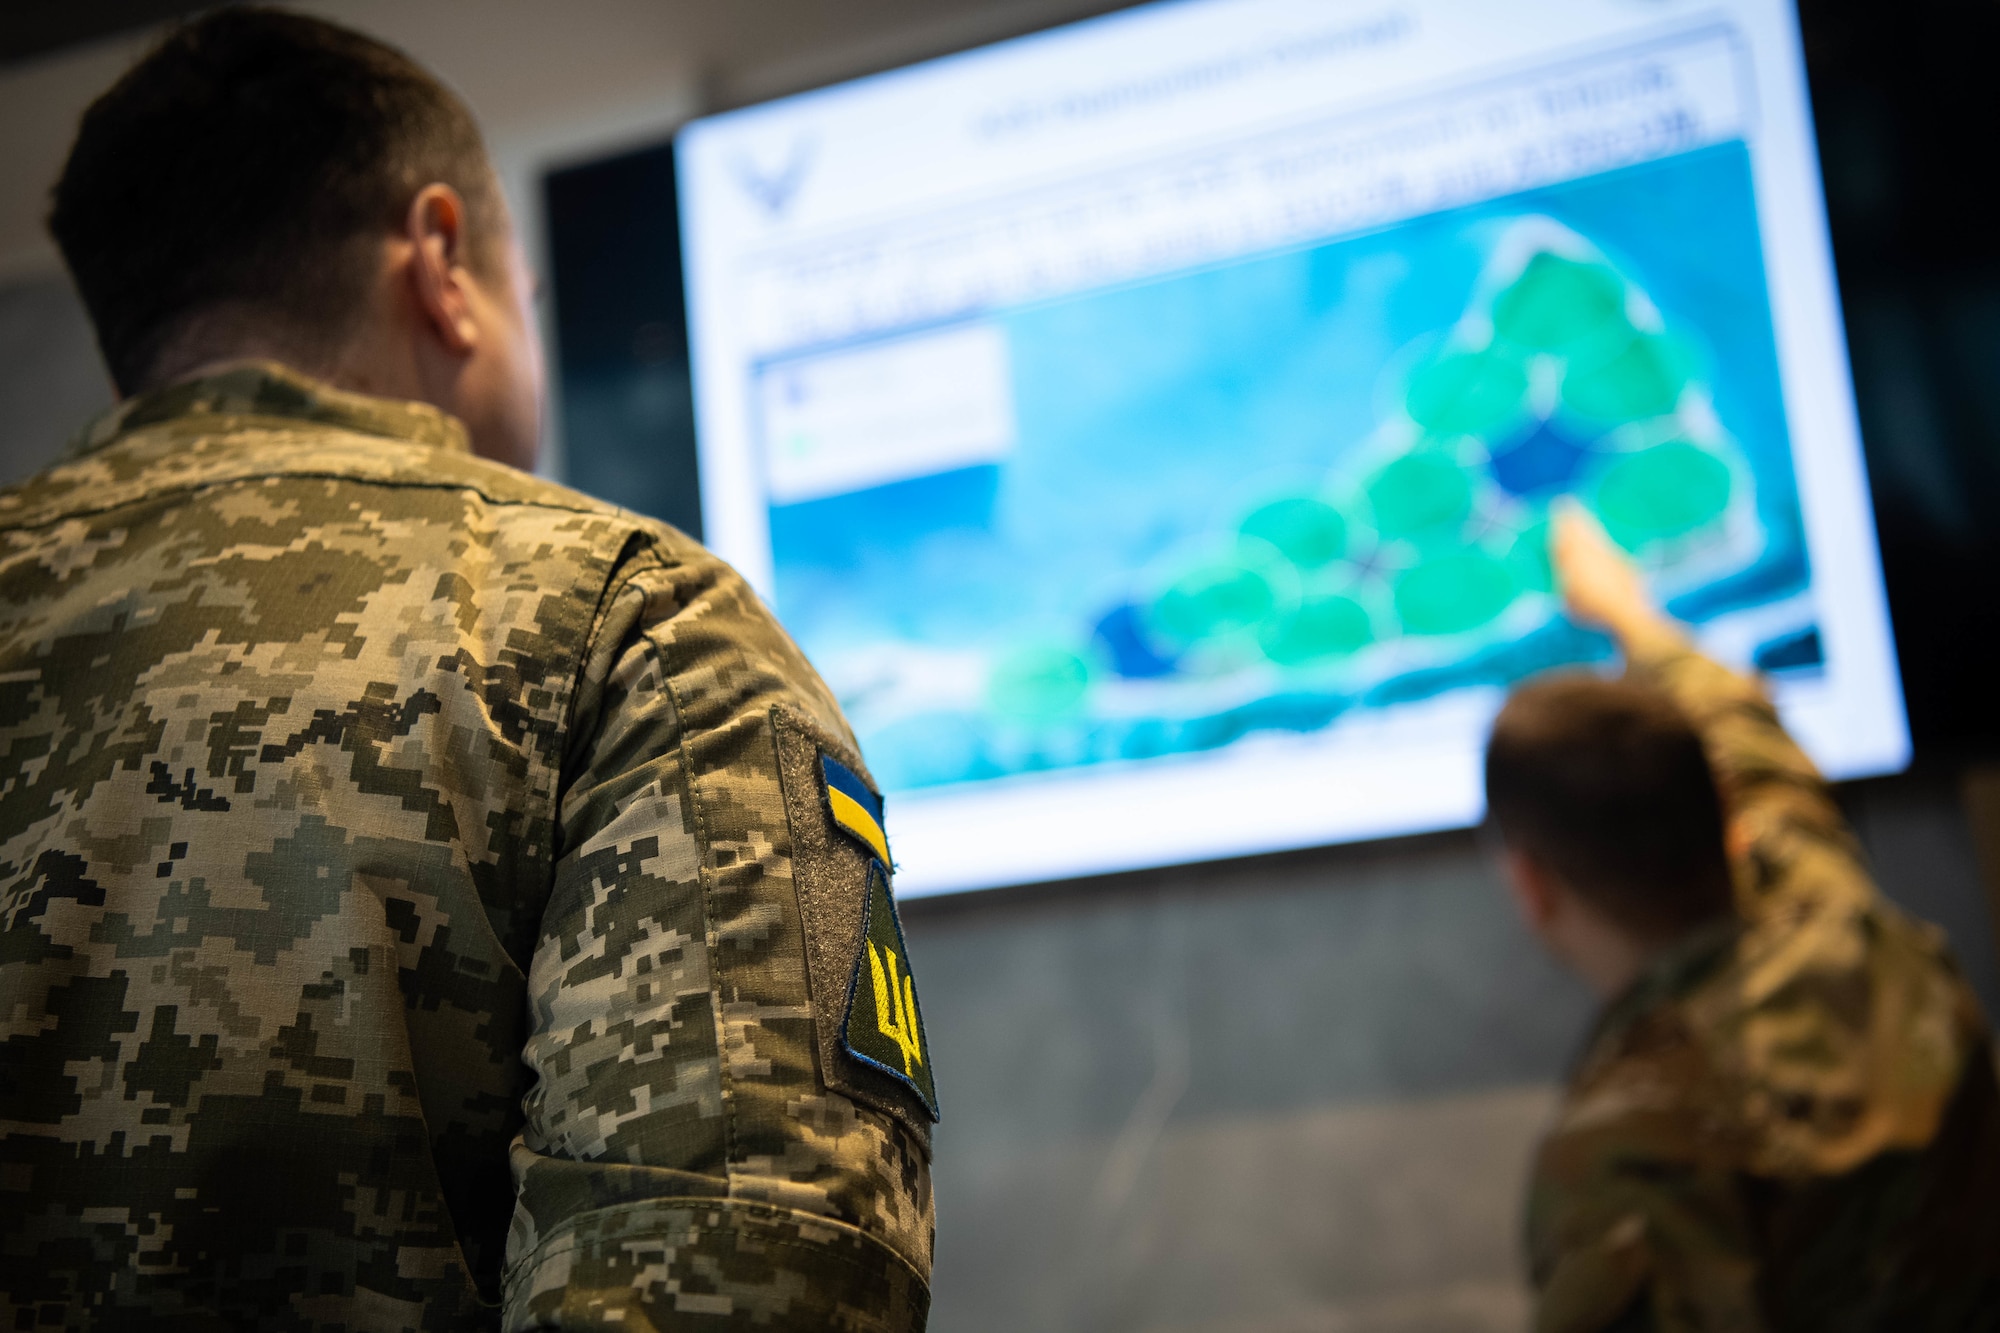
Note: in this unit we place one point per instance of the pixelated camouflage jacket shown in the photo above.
(396, 852)
(1790, 1121)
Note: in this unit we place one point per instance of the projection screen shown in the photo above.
(1149, 427)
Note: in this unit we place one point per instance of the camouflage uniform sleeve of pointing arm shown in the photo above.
(684, 1163)
(1789, 838)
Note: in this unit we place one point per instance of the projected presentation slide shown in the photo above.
(1150, 427)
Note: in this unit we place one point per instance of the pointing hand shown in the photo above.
(1599, 584)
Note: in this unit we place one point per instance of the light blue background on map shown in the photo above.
(1151, 415)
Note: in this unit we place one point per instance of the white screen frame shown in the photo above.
(1409, 769)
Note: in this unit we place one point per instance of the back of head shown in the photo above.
(1605, 783)
(240, 172)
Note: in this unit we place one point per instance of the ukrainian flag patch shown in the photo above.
(856, 810)
(883, 1026)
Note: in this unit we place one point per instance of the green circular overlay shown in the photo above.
(1307, 532)
(1318, 629)
(1452, 593)
(1642, 379)
(1419, 492)
(1467, 393)
(1213, 600)
(1662, 492)
(1528, 559)
(1038, 683)
(1557, 303)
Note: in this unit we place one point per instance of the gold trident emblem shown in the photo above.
(896, 1008)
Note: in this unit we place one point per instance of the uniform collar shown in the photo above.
(266, 389)
(1668, 975)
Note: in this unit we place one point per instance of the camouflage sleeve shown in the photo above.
(1635, 1224)
(1788, 836)
(684, 1163)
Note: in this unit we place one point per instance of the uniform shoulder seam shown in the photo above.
(640, 555)
(581, 504)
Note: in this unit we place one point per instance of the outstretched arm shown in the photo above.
(1785, 828)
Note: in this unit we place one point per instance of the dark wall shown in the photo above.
(1290, 1093)
(1908, 113)
(627, 408)
(52, 381)
(1295, 1092)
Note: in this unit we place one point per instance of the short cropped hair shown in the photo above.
(1605, 783)
(241, 165)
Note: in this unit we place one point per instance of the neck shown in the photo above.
(1608, 956)
(352, 375)
(377, 354)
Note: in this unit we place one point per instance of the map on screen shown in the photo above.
(1153, 444)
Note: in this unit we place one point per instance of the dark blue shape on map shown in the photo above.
(1791, 652)
(1545, 459)
(1780, 573)
(1123, 634)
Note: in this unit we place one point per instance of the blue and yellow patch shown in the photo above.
(856, 810)
(883, 1027)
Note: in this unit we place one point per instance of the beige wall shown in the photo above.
(551, 82)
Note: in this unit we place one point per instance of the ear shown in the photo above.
(439, 279)
(1737, 839)
(1534, 889)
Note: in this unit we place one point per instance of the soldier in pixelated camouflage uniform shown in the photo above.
(433, 899)
(1786, 1117)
